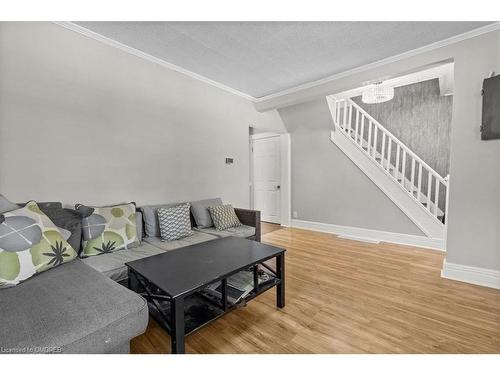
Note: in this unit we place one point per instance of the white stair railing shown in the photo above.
(418, 179)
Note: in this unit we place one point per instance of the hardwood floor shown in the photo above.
(345, 296)
(269, 227)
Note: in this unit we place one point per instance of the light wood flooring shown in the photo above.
(269, 227)
(344, 296)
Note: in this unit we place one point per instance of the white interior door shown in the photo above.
(267, 178)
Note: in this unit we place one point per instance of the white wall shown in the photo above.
(327, 187)
(83, 121)
(474, 208)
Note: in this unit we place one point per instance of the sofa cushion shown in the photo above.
(30, 243)
(224, 217)
(150, 217)
(72, 307)
(199, 209)
(175, 222)
(241, 231)
(195, 238)
(113, 264)
(108, 228)
(140, 228)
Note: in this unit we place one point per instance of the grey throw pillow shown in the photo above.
(174, 222)
(6, 205)
(224, 217)
(199, 209)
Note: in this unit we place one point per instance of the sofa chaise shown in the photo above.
(80, 307)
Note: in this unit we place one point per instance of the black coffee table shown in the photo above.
(173, 282)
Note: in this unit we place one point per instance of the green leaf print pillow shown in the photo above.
(30, 243)
(108, 229)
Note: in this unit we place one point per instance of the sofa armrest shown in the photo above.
(250, 218)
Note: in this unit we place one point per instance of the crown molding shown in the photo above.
(261, 100)
(445, 42)
(143, 55)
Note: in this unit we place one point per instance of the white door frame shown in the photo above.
(285, 194)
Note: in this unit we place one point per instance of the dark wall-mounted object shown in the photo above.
(229, 160)
(490, 123)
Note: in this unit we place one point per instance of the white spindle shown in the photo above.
(345, 115)
(369, 136)
(362, 134)
(403, 177)
(389, 155)
(412, 183)
(350, 120)
(419, 183)
(429, 189)
(356, 127)
(375, 127)
(447, 199)
(337, 106)
(436, 198)
(383, 149)
(397, 161)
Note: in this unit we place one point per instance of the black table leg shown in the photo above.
(132, 282)
(177, 325)
(280, 274)
(256, 278)
(224, 294)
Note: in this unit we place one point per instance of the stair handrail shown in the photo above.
(395, 139)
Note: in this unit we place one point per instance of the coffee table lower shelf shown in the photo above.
(200, 309)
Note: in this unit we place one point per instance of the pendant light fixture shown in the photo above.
(377, 93)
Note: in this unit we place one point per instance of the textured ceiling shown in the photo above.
(262, 58)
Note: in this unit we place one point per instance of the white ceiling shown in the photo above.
(263, 58)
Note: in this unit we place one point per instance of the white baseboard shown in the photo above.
(371, 235)
(471, 275)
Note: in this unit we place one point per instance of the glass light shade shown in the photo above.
(377, 93)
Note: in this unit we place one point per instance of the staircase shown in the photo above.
(417, 189)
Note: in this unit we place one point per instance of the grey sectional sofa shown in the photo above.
(80, 307)
(113, 265)
(70, 309)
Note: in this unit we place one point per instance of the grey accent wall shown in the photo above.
(327, 186)
(83, 121)
(421, 118)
